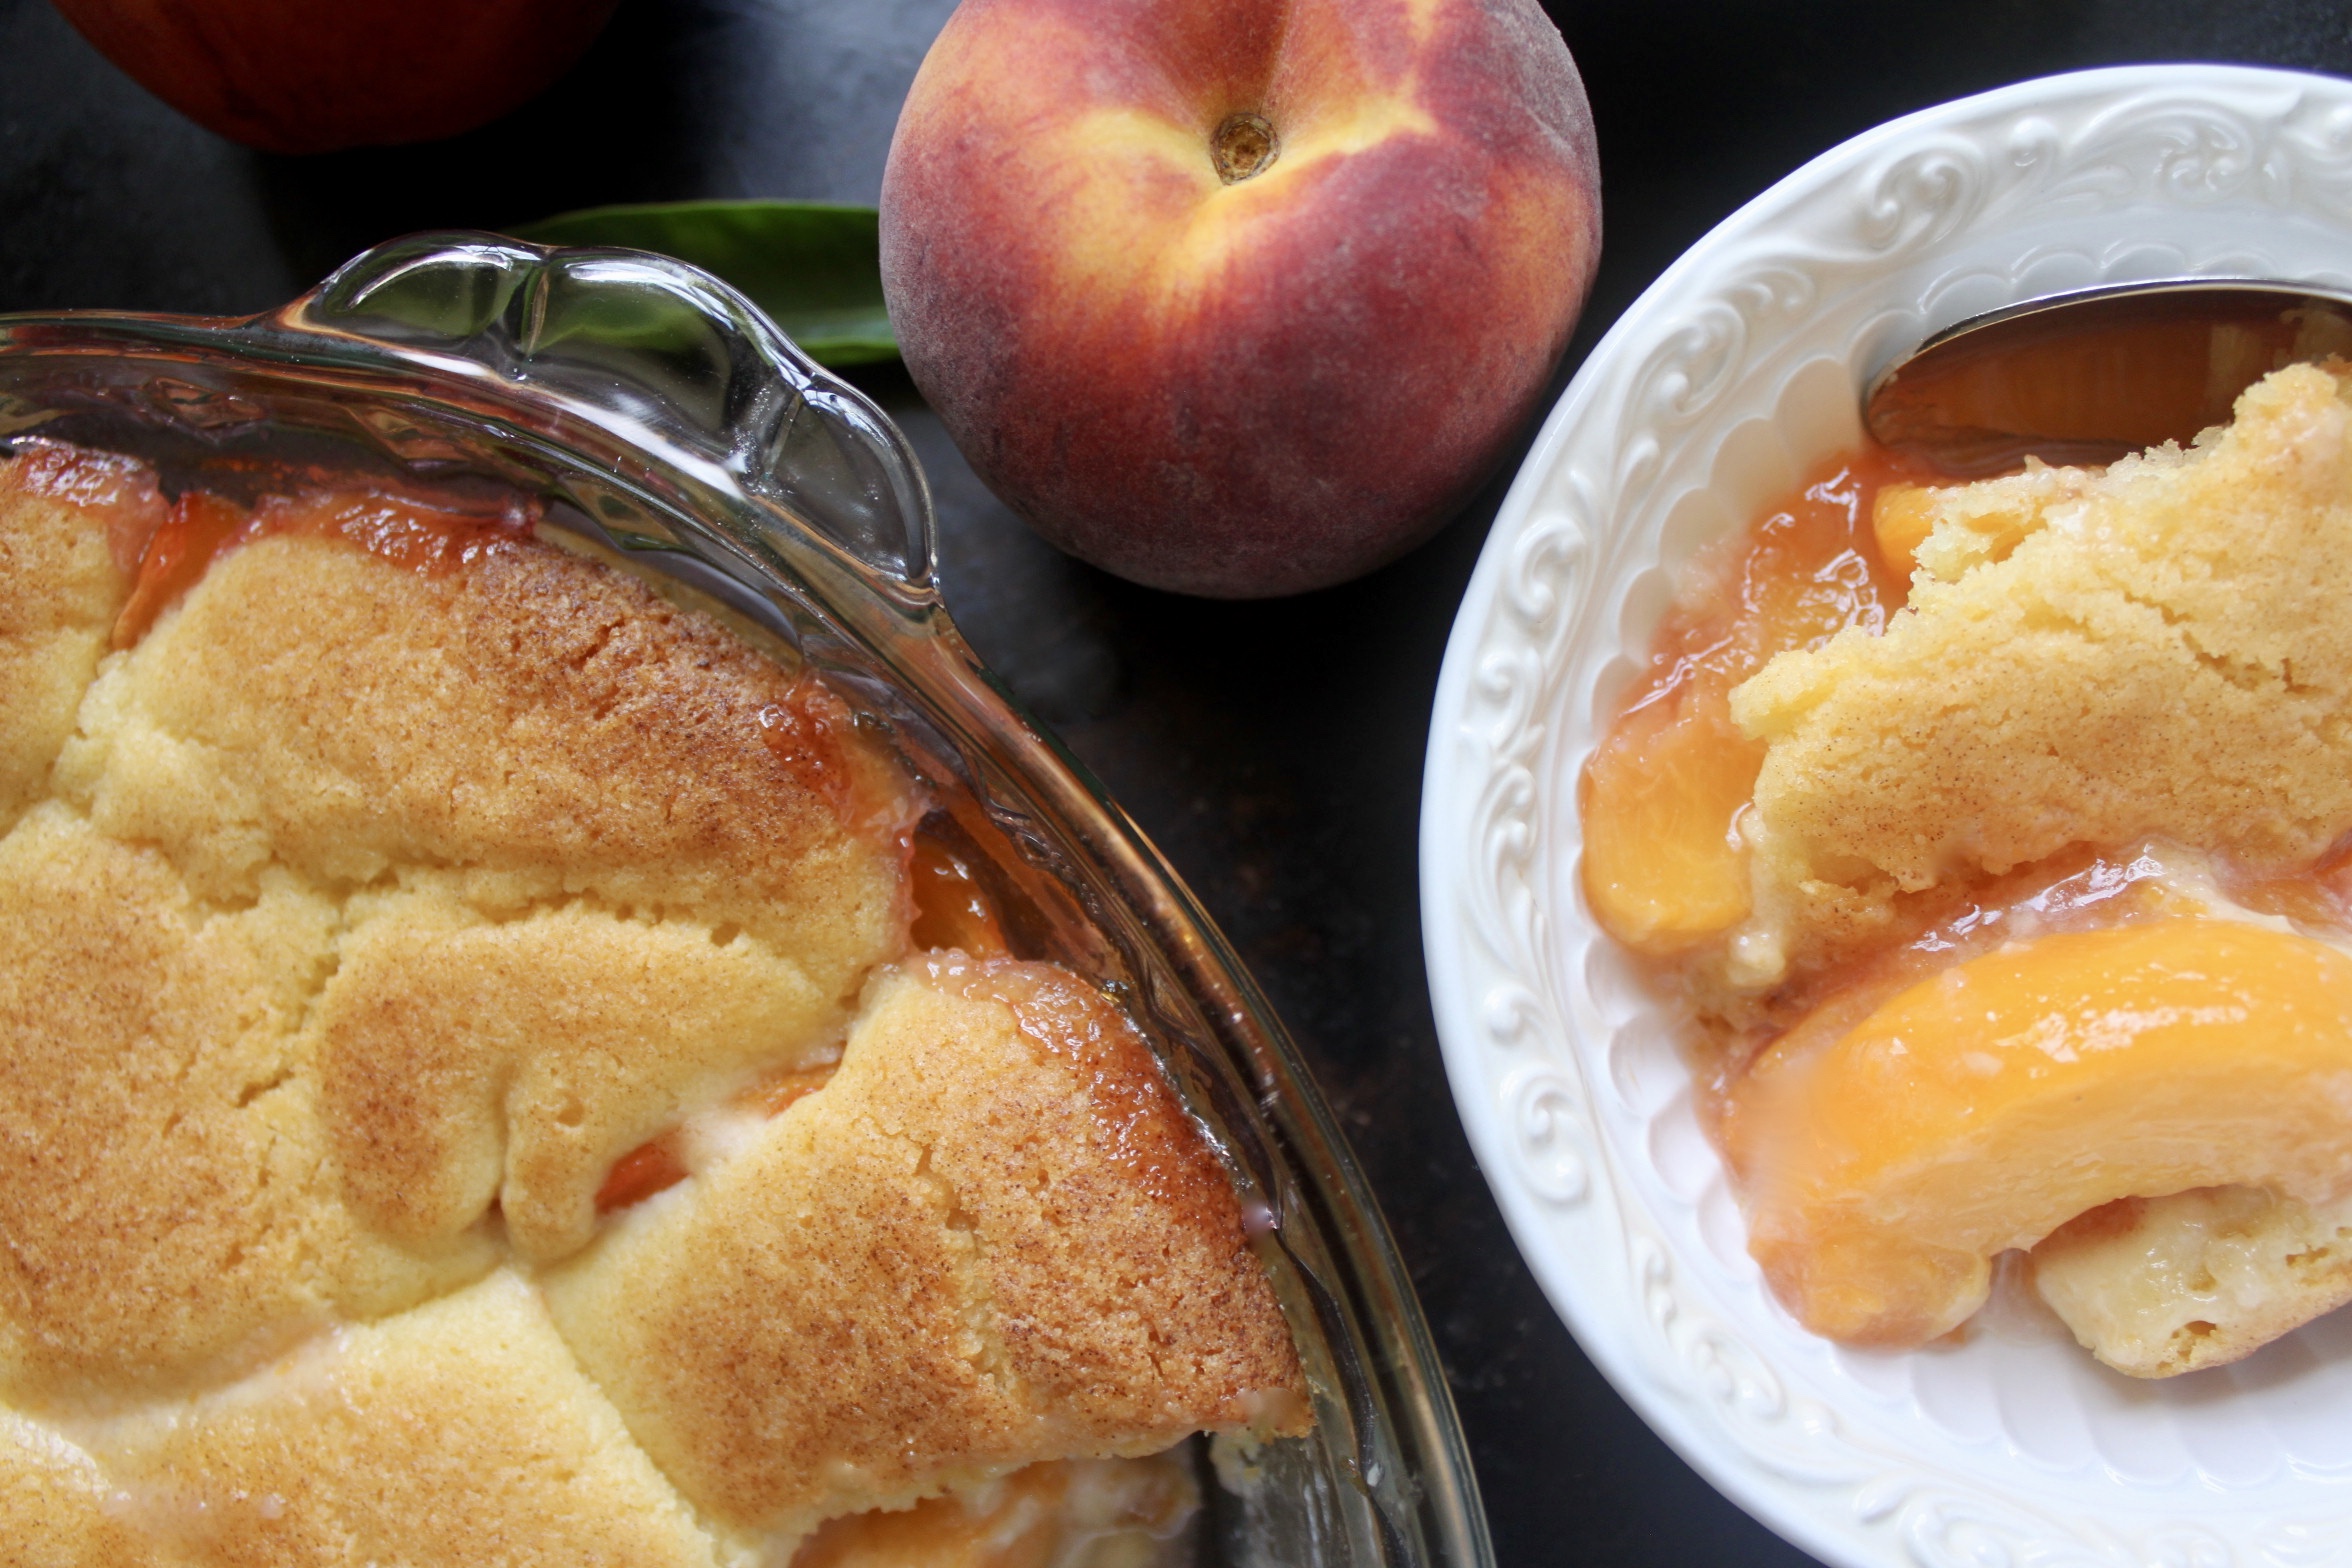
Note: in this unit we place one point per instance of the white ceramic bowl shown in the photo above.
(1739, 368)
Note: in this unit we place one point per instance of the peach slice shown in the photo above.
(952, 909)
(1662, 869)
(1901, 519)
(1660, 866)
(1982, 1108)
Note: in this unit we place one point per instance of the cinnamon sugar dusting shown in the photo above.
(1127, 1100)
(474, 1100)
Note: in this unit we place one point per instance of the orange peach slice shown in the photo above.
(1983, 1108)
(1660, 867)
(1901, 517)
(1663, 869)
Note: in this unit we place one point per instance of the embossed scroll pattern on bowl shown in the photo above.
(1739, 368)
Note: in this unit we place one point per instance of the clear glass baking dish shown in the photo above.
(660, 414)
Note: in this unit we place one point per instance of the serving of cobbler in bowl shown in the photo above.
(548, 1016)
(1887, 927)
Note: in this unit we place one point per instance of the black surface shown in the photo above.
(1272, 750)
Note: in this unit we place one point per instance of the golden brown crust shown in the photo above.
(158, 1241)
(54, 1501)
(460, 1433)
(939, 1268)
(167, 1212)
(549, 727)
(384, 900)
(2197, 594)
(63, 516)
(466, 1062)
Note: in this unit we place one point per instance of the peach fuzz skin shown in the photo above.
(314, 75)
(1253, 388)
(1982, 1108)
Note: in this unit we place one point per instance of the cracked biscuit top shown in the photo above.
(389, 900)
(2095, 657)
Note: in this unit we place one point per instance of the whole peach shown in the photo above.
(1239, 297)
(314, 75)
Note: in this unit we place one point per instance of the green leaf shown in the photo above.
(815, 267)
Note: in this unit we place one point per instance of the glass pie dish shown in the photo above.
(658, 415)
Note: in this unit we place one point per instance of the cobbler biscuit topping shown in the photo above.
(471, 1094)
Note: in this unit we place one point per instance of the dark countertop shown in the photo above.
(1272, 750)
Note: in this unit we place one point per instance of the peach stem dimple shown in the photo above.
(1243, 146)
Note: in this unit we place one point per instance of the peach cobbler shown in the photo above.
(1996, 840)
(490, 1074)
